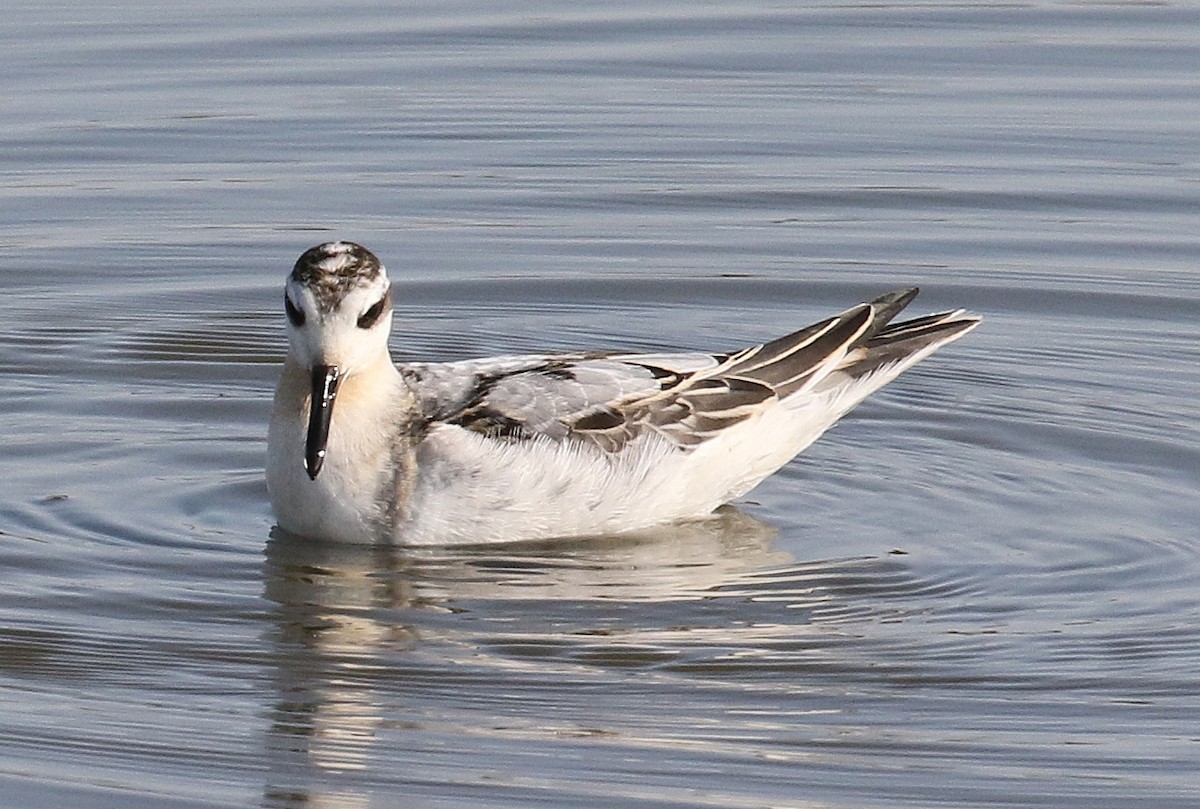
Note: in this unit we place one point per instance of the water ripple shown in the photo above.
(978, 590)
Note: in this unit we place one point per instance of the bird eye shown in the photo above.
(293, 314)
(369, 318)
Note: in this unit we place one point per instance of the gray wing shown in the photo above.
(525, 396)
(609, 399)
(604, 399)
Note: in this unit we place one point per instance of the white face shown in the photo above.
(339, 310)
(351, 335)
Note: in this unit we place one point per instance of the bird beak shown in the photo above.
(324, 389)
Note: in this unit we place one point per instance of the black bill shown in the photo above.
(324, 390)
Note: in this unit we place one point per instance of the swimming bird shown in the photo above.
(510, 448)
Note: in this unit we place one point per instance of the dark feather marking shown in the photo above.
(665, 376)
(887, 307)
(730, 392)
(476, 415)
(479, 416)
(484, 385)
(669, 413)
(331, 270)
(908, 328)
(605, 419)
(893, 346)
(785, 364)
(706, 423)
(556, 370)
(492, 423)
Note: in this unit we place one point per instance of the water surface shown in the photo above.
(978, 590)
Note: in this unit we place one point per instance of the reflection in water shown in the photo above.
(348, 617)
(327, 634)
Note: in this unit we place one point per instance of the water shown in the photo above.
(978, 590)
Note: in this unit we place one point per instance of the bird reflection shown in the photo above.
(352, 623)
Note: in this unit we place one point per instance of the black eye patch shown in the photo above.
(370, 317)
(293, 314)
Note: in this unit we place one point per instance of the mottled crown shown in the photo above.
(330, 270)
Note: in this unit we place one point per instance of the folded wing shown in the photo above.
(609, 399)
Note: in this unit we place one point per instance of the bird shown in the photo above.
(542, 446)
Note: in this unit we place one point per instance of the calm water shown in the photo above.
(980, 590)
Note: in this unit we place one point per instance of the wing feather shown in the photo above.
(610, 399)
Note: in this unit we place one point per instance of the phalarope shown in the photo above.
(540, 446)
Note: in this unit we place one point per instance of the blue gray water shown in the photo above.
(979, 590)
